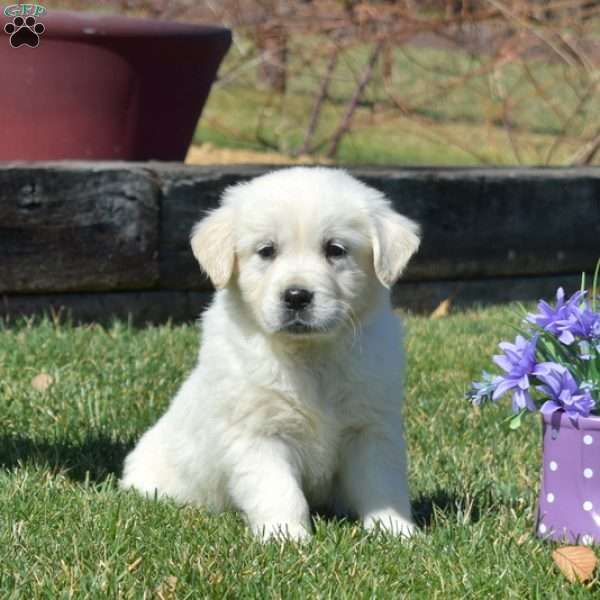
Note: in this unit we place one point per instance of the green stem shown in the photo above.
(595, 286)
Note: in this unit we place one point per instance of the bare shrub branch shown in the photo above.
(520, 74)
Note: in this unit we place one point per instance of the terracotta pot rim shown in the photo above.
(61, 24)
(560, 418)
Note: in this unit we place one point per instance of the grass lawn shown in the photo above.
(455, 119)
(67, 531)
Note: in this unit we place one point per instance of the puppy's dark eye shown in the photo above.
(334, 249)
(266, 251)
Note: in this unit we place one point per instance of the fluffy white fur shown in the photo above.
(288, 409)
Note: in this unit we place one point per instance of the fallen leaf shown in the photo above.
(166, 590)
(42, 382)
(134, 565)
(442, 310)
(576, 563)
(523, 538)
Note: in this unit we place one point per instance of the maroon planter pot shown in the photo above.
(105, 87)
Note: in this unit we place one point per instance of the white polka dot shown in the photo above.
(587, 439)
(553, 465)
(587, 506)
(588, 473)
(587, 540)
(550, 497)
(542, 528)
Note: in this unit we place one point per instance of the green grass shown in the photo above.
(456, 118)
(67, 531)
(455, 99)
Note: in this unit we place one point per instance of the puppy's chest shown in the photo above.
(317, 408)
(326, 392)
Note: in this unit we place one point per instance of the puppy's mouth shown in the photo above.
(310, 322)
(299, 327)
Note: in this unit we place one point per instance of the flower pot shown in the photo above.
(105, 87)
(569, 502)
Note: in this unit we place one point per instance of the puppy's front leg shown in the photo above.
(374, 484)
(265, 485)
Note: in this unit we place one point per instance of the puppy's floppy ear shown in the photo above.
(212, 245)
(395, 240)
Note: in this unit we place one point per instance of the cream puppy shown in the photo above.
(295, 400)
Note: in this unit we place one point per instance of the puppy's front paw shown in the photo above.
(389, 522)
(276, 530)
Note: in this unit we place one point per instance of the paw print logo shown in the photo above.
(24, 32)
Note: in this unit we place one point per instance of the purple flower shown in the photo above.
(566, 319)
(518, 362)
(582, 323)
(563, 392)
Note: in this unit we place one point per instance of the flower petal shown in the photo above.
(524, 382)
(549, 407)
(503, 362)
(503, 386)
(566, 337)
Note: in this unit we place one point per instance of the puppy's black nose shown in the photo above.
(297, 298)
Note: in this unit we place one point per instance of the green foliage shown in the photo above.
(454, 107)
(67, 531)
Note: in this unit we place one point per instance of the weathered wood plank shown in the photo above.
(77, 227)
(476, 222)
(186, 196)
(425, 296)
(505, 222)
(139, 307)
(158, 306)
(96, 226)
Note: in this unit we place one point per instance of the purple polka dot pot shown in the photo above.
(569, 502)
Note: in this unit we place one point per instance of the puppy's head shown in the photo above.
(308, 249)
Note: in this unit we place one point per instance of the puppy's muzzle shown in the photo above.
(297, 304)
(297, 299)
